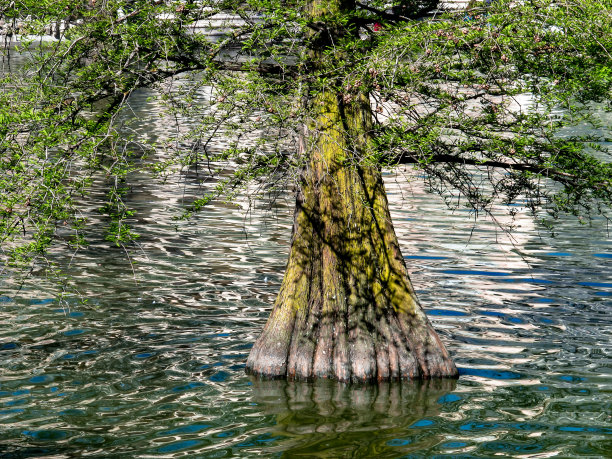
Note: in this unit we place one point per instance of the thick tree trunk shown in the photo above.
(346, 309)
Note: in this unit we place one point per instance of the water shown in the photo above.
(152, 365)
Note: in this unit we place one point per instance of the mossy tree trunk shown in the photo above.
(346, 309)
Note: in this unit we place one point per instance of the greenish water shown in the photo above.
(153, 364)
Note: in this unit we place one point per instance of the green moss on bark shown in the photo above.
(346, 309)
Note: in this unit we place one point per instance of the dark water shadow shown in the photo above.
(330, 419)
(8, 451)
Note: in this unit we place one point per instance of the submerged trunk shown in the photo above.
(346, 309)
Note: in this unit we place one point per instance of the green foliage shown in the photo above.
(478, 99)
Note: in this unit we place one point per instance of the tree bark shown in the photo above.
(346, 309)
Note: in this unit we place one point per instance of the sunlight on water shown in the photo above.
(153, 365)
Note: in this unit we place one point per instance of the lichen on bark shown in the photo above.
(346, 308)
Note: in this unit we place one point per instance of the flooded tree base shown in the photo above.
(346, 309)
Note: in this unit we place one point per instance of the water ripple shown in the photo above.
(153, 364)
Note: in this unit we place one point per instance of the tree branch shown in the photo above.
(380, 13)
(446, 158)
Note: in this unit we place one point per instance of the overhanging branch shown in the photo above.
(264, 68)
(381, 14)
(549, 172)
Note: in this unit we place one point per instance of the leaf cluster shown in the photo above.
(482, 100)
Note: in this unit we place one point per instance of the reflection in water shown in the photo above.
(153, 366)
(330, 419)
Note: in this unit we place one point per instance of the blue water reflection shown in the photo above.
(449, 398)
(178, 446)
(155, 367)
(488, 373)
(192, 428)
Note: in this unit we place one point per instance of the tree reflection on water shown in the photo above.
(329, 419)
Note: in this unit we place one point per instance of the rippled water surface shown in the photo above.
(152, 365)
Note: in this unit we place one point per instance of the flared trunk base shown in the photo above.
(346, 309)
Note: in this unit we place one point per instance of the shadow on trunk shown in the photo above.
(346, 309)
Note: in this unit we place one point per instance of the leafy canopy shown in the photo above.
(478, 98)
